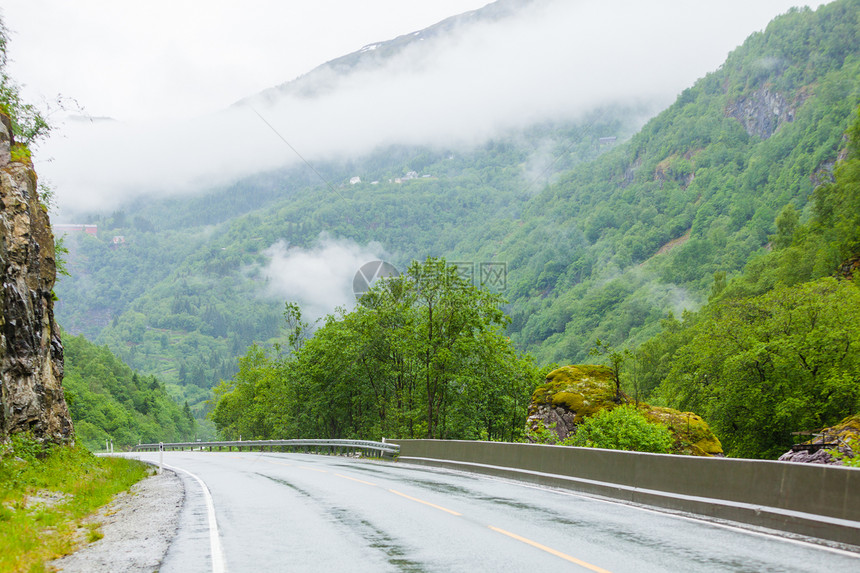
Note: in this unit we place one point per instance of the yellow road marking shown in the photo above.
(451, 511)
(564, 556)
(314, 469)
(355, 479)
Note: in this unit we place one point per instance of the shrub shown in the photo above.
(622, 428)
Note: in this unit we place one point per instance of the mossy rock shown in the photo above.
(843, 437)
(847, 429)
(843, 432)
(584, 390)
(20, 153)
(691, 432)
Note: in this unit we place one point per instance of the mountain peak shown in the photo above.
(374, 56)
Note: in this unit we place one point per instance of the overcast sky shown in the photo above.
(179, 58)
(164, 67)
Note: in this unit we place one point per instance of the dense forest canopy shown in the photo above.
(110, 402)
(777, 350)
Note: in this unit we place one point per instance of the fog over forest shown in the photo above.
(554, 60)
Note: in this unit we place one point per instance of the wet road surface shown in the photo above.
(302, 512)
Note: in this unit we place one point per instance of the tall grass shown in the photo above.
(45, 492)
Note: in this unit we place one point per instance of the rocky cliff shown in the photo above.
(763, 112)
(31, 353)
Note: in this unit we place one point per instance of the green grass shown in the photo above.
(45, 493)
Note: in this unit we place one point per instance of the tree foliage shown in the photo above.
(759, 368)
(109, 401)
(778, 349)
(28, 122)
(423, 355)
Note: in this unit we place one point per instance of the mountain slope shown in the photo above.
(108, 401)
(599, 239)
(187, 289)
(325, 78)
(774, 352)
(616, 244)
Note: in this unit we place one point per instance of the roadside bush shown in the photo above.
(622, 428)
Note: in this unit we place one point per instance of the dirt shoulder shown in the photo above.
(138, 526)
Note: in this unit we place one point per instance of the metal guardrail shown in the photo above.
(381, 449)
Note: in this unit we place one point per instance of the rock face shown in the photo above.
(31, 353)
(844, 434)
(848, 270)
(573, 393)
(762, 112)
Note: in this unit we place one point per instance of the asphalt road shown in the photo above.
(302, 512)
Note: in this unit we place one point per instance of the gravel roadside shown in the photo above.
(138, 526)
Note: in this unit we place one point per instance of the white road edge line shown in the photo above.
(218, 565)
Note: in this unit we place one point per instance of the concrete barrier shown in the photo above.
(806, 499)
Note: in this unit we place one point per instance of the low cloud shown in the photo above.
(319, 278)
(557, 59)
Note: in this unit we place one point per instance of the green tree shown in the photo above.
(786, 224)
(450, 317)
(759, 368)
(240, 411)
(422, 355)
(617, 360)
(28, 123)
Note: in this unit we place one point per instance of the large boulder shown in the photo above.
(693, 436)
(31, 353)
(573, 393)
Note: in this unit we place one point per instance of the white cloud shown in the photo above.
(177, 58)
(320, 278)
(559, 59)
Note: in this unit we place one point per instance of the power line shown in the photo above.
(312, 168)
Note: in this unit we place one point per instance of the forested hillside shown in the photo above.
(614, 245)
(182, 295)
(777, 350)
(600, 238)
(109, 401)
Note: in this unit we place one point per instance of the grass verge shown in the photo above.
(46, 492)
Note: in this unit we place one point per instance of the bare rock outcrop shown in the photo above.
(762, 112)
(849, 269)
(31, 353)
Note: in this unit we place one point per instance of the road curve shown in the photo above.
(302, 512)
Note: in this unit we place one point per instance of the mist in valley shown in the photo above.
(547, 60)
